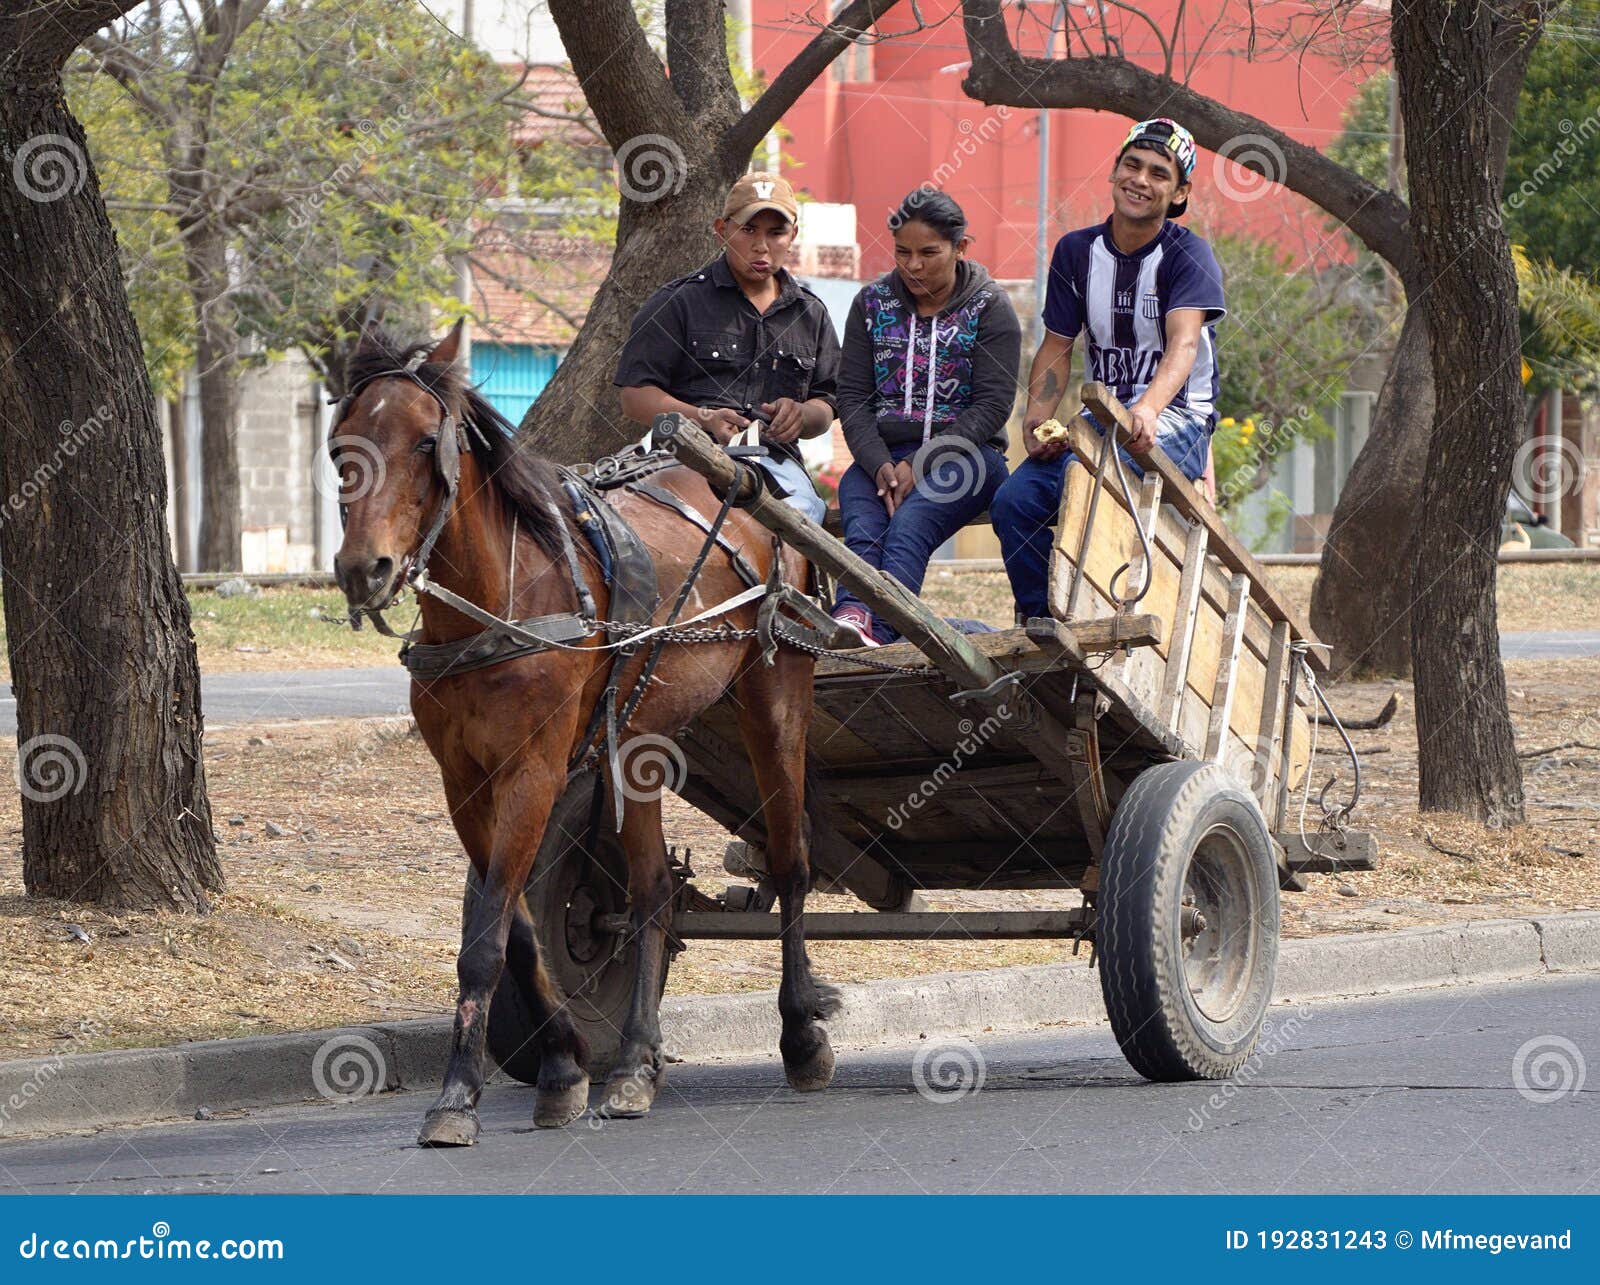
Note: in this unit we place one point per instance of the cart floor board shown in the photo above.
(927, 787)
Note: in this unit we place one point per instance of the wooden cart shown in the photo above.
(1143, 749)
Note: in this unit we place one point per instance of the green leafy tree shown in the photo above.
(1287, 346)
(315, 162)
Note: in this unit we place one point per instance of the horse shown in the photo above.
(501, 540)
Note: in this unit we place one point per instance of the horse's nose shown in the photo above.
(362, 577)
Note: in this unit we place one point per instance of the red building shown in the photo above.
(891, 115)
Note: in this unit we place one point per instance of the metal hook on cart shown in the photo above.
(1333, 817)
(1138, 526)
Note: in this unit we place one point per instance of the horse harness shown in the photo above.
(629, 572)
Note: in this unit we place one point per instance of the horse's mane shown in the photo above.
(528, 483)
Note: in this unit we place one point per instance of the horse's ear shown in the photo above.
(368, 338)
(444, 352)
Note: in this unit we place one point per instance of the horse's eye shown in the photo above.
(428, 443)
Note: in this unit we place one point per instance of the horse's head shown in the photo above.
(396, 444)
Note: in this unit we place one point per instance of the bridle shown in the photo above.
(449, 442)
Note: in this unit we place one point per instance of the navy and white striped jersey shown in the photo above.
(1122, 301)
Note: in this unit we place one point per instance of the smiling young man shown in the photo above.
(741, 339)
(1146, 293)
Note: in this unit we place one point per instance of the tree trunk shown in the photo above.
(1361, 602)
(114, 806)
(578, 416)
(217, 356)
(1464, 60)
(177, 417)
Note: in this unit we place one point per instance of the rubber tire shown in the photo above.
(598, 991)
(1157, 826)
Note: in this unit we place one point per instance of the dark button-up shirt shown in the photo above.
(700, 340)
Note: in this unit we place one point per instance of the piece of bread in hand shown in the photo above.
(1052, 430)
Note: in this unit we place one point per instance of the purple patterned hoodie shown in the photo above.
(886, 395)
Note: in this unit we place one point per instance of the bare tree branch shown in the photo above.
(618, 71)
(1000, 74)
(38, 36)
(851, 22)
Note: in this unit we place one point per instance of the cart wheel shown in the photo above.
(566, 892)
(1187, 932)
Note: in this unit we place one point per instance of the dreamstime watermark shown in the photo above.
(649, 167)
(1276, 438)
(370, 135)
(48, 167)
(50, 767)
(358, 454)
(1547, 468)
(1548, 1068)
(649, 766)
(973, 737)
(949, 469)
(973, 137)
(347, 1067)
(1560, 156)
(946, 1071)
(1248, 167)
(1275, 1037)
(73, 438)
(26, 1093)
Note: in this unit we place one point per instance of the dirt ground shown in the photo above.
(350, 914)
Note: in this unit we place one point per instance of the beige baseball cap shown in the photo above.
(761, 191)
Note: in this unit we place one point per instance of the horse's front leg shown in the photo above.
(523, 798)
(640, 1070)
(774, 711)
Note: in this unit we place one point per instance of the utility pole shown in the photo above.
(1041, 231)
(464, 266)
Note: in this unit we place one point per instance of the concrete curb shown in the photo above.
(97, 1090)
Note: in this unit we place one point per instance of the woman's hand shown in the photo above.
(902, 473)
(786, 419)
(888, 479)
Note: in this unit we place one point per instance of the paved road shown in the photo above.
(1406, 1094)
(232, 699)
(300, 695)
(1549, 645)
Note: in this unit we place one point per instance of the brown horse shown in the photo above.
(504, 734)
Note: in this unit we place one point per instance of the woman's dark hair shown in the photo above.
(935, 208)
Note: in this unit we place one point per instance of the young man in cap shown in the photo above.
(1147, 293)
(741, 339)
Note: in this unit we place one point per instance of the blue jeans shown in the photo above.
(955, 481)
(1025, 508)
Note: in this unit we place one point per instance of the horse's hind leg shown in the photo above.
(774, 713)
(640, 1070)
(563, 1089)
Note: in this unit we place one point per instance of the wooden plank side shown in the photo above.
(1227, 668)
(1180, 492)
(1269, 728)
(1186, 597)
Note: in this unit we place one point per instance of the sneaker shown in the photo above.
(859, 621)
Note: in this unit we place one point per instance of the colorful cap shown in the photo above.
(756, 192)
(1175, 140)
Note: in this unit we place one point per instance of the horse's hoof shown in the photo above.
(448, 1127)
(629, 1096)
(815, 1073)
(554, 1108)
